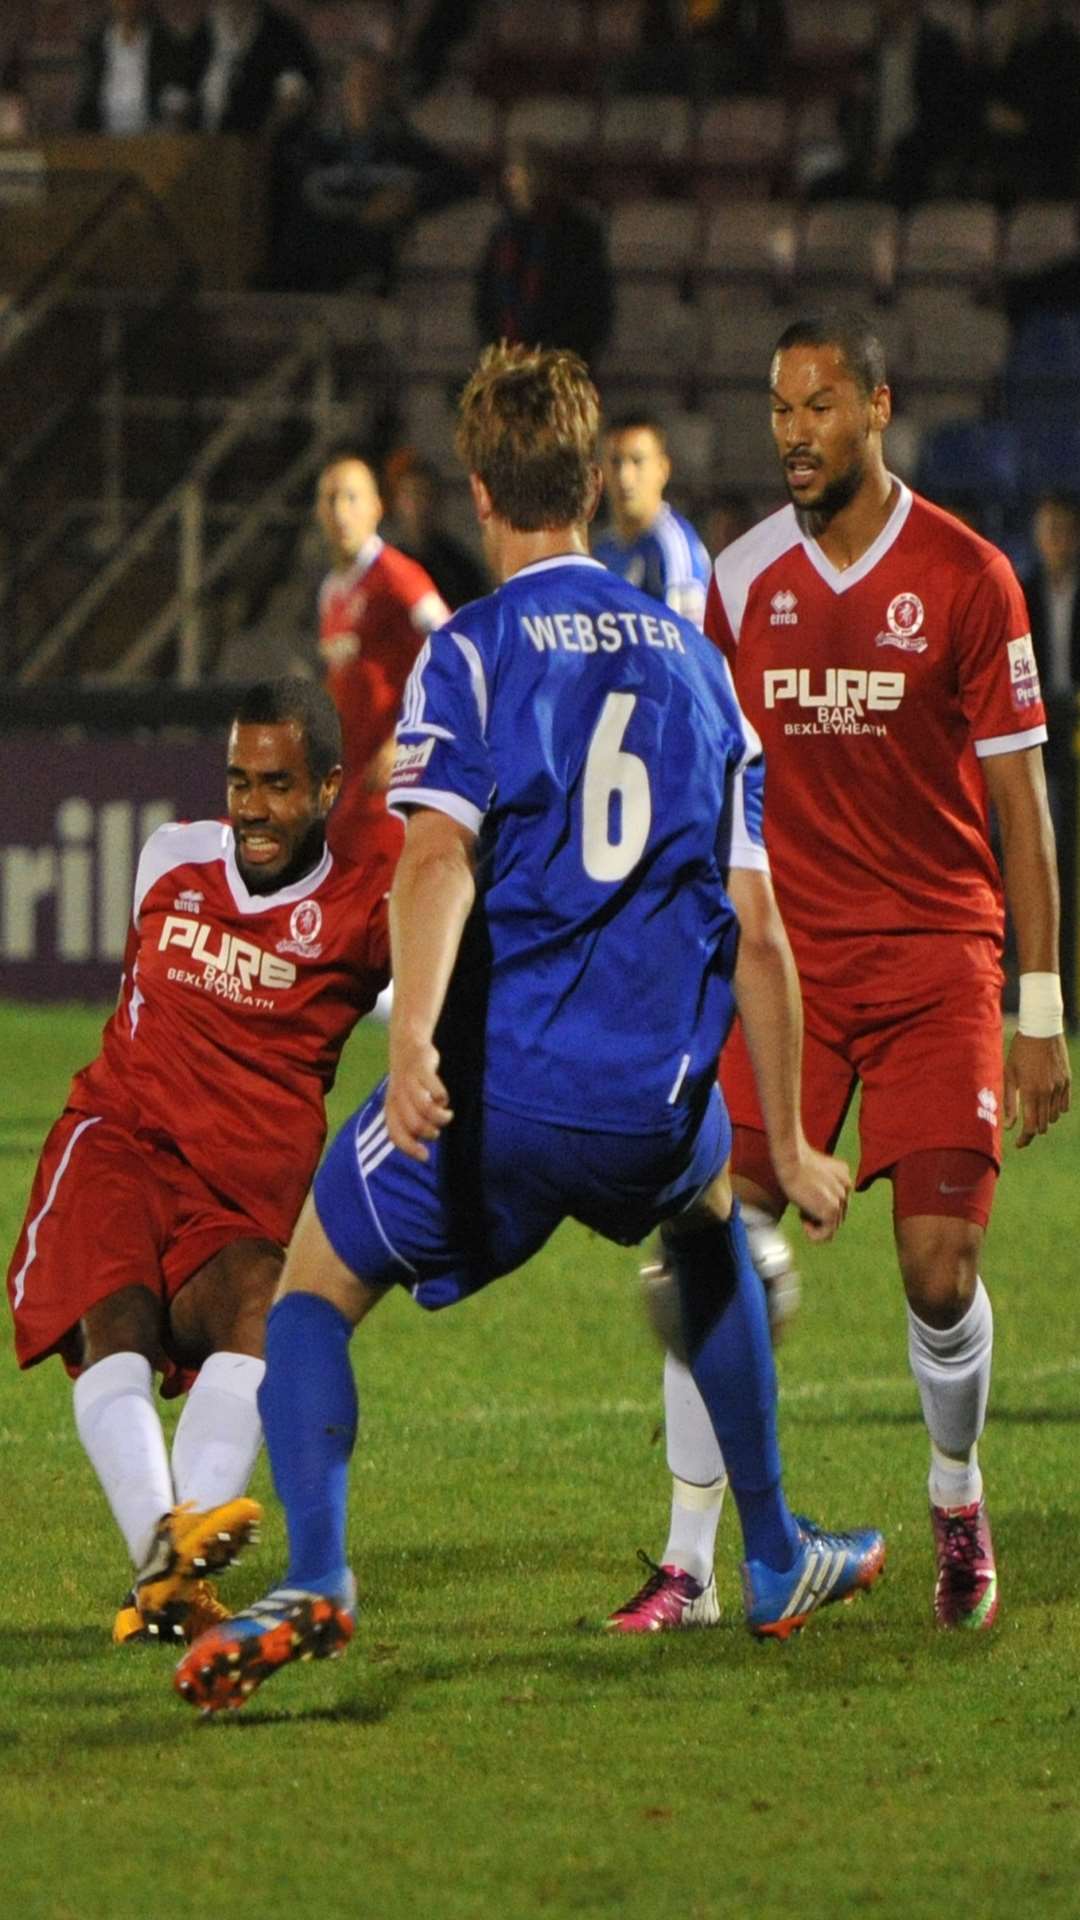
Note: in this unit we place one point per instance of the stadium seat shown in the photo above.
(459, 121)
(743, 452)
(749, 239)
(738, 329)
(690, 444)
(1038, 232)
(833, 25)
(743, 134)
(645, 127)
(551, 120)
(849, 243)
(952, 240)
(980, 458)
(952, 337)
(1046, 347)
(653, 236)
(427, 423)
(452, 241)
(523, 27)
(653, 328)
(442, 334)
(1049, 455)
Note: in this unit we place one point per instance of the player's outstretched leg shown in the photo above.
(828, 1567)
(668, 1600)
(224, 1667)
(170, 1587)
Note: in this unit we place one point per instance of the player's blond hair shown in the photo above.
(528, 422)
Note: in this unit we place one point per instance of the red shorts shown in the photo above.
(931, 1073)
(108, 1211)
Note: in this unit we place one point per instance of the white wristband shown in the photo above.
(1042, 1011)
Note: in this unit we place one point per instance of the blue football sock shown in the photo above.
(309, 1411)
(729, 1349)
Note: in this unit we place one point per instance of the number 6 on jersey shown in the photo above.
(609, 770)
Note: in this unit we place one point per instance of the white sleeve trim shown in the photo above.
(401, 800)
(183, 843)
(470, 653)
(429, 612)
(1010, 742)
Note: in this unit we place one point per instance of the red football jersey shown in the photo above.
(876, 690)
(373, 619)
(233, 1011)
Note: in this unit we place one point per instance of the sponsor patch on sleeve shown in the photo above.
(1023, 673)
(410, 759)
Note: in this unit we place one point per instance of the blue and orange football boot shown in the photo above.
(831, 1566)
(223, 1667)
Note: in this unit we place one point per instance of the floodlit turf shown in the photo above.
(482, 1750)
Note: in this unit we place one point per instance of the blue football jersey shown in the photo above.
(669, 561)
(593, 741)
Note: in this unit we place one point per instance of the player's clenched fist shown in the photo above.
(417, 1104)
(819, 1186)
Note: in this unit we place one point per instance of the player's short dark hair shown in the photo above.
(528, 421)
(273, 703)
(1061, 497)
(850, 331)
(638, 420)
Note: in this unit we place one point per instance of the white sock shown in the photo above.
(119, 1427)
(695, 1516)
(219, 1433)
(697, 1467)
(952, 1371)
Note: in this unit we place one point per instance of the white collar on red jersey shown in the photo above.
(840, 579)
(352, 575)
(302, 889)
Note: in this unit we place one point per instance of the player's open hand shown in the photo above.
(1037, 1084)
(417, 1103)
(819, 1186)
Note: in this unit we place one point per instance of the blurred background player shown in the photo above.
(414, 494)
(882, 651)
(651, 545)
(170, 1184)
(574, 1073)
(376, 608)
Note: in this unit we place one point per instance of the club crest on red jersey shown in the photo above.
(305, 926)
(904, 617)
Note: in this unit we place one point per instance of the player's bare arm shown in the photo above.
(770, 1007)
(430, 901)
(1037, 1078)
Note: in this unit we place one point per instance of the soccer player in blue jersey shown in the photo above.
(652, 546)
(583, 808)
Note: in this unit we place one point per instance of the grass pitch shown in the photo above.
(483, 1750)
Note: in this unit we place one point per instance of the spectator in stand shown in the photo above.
(441, 24)
(14, 106)
(355, 191)
(135, 74)
(255, 70)
(545, 278)
(1052, 590)
(413, 493)
(1029, 115)
(908, 123)
(708, 47)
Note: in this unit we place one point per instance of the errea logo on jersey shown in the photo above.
(235, 967)
(840, 702)
(783, 606)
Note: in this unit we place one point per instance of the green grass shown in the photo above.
(483, 1750)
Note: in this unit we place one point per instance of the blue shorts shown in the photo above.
(494, 1188)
